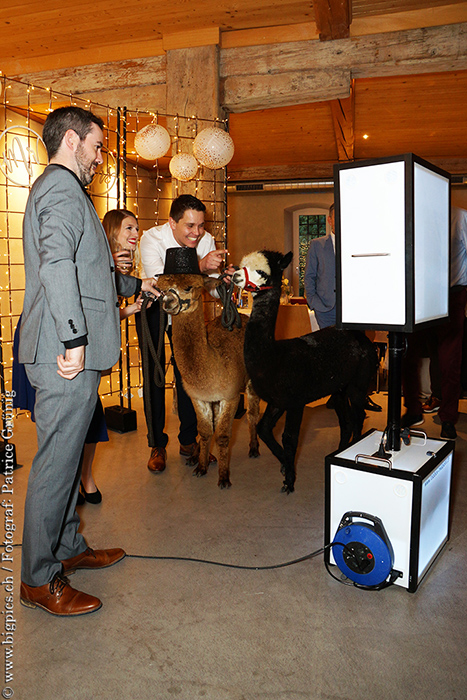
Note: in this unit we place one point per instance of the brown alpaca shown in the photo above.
(210, 360)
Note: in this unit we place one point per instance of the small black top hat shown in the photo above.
(181, 261)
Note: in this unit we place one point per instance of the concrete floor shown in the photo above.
(175, 630)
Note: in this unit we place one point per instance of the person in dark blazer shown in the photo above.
(70, 332)
(320, 285)
(320, 276)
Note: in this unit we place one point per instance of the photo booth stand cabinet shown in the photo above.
(412, 498)
(392, 274)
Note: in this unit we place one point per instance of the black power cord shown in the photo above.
(232, 566)
(219, 563)
(312, 555)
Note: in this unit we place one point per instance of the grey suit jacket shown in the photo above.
(320, 275)
(70, 279)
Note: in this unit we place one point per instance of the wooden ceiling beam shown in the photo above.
(271, 173)
(96, 78)
(301, 67)
(248, 93)
(333, 18)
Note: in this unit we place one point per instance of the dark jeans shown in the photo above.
(186, 413)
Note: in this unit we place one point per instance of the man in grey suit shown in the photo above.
(70, 332)
(320, 276)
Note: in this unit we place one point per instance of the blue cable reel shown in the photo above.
(363, 551)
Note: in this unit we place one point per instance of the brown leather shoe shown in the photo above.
(157, 460)
(191, 451)
(92, 559)
(58, 598)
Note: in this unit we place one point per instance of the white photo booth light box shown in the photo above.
(392, 243)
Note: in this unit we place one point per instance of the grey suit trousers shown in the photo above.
(50, 520)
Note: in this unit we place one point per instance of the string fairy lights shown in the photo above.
(146, 188)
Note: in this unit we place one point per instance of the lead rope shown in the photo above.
(147, 347)
(230, 316)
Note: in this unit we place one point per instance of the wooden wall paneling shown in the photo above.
(287, 136)
(412, 113)
(371, 8)
(19, 64)
(410, 19)
(305, 31)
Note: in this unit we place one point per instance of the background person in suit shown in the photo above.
(320, 276)
(320, 285)
(70, 332)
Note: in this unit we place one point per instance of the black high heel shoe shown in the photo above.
(94, 497)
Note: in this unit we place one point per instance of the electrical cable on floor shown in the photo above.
(232, 566)
(229, 566)
(249, 568)
(260, 568)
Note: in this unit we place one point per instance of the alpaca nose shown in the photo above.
(171, 303)
(238, 278)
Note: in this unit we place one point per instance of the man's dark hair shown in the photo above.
(331, 209)
(182, 204)
(60, 120)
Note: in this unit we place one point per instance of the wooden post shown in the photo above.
(193, 91)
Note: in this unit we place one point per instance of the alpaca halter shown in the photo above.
(181, 302)
(251, 286)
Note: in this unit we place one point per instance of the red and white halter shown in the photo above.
(250, 286)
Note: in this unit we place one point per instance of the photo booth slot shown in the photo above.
(387, 498)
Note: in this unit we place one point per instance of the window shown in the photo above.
(309, 226)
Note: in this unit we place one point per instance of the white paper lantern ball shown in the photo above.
(213, 148)
(152, 142)
(183, 166)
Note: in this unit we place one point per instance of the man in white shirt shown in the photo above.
(184, 229)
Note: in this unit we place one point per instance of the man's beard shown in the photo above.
(84, 169)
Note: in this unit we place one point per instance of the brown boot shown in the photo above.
(157, 460)
(59, 598)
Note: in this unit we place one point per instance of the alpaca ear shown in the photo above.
(286, 260)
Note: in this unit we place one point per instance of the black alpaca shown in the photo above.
(288, 374)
